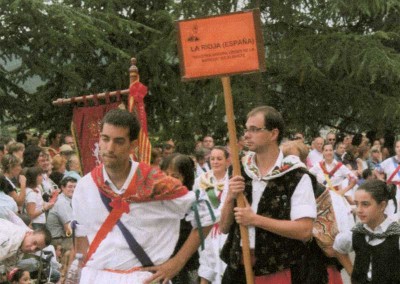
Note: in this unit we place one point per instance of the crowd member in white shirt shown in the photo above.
(36, 207)
(18, 239)
(391, 170)
(315, 155)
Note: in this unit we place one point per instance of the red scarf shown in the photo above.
(148, 184)
(333, 171)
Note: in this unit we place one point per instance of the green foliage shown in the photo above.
(329, 63)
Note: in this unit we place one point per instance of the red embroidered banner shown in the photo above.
(86, 122)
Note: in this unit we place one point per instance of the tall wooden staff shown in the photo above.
(220, 46)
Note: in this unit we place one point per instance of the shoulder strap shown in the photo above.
(394, 173)
(135, 247)
(117, 207)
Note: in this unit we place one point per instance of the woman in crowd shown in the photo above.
(376, 239)
(36, 207)
(332, 173)
(363, 155)
(58, 169)
(17, 149)
(391, 170)
(215, 184)
(11, 166)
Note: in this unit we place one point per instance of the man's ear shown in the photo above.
(275, 133)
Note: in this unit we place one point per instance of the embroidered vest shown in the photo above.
(273, 252)
(385, 259)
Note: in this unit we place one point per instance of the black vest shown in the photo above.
(273, 252)
(385, 259)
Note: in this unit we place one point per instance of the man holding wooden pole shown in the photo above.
(280, 209)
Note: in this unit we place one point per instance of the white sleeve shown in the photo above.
(303, 202)
(208, 216)
(30, 197)
(78, 210)
(207, 261)
(343, 242)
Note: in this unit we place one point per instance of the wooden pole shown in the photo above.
(60, 101)
(244, 233)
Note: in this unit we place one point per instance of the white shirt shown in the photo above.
(155, 225)
(202, 169)
(11, 238)
(36, 197)
(344, 240)
(338, 177)
(302, 202)
(388, 167)
(8, 202)
(314, 157)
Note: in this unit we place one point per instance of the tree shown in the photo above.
(329, 63)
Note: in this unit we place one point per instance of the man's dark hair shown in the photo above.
(46, 233)
(52, 135)
(123, 118)
(21, 137)
(66, 180)
(272, 119)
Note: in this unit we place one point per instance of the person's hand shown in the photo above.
(236, 186)
(164, 272)
(245, 216)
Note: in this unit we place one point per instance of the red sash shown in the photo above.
(333, 171)
(389, 181)
(148, 184)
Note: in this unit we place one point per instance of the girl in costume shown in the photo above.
(375, 239)
(391, 169)
(215, 184)
(11, 166)
(182, 167)
(337, 177)
(332, 173)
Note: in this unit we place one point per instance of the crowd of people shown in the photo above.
(307, 207)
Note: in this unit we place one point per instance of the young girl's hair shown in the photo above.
(31, 175)
(379, 190)
(184, 165)
(15, 275)
(223, 149)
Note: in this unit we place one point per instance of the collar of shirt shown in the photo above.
(331, 165)
(256, 172)
(62, 195)
(128, 180)
(381, 228)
